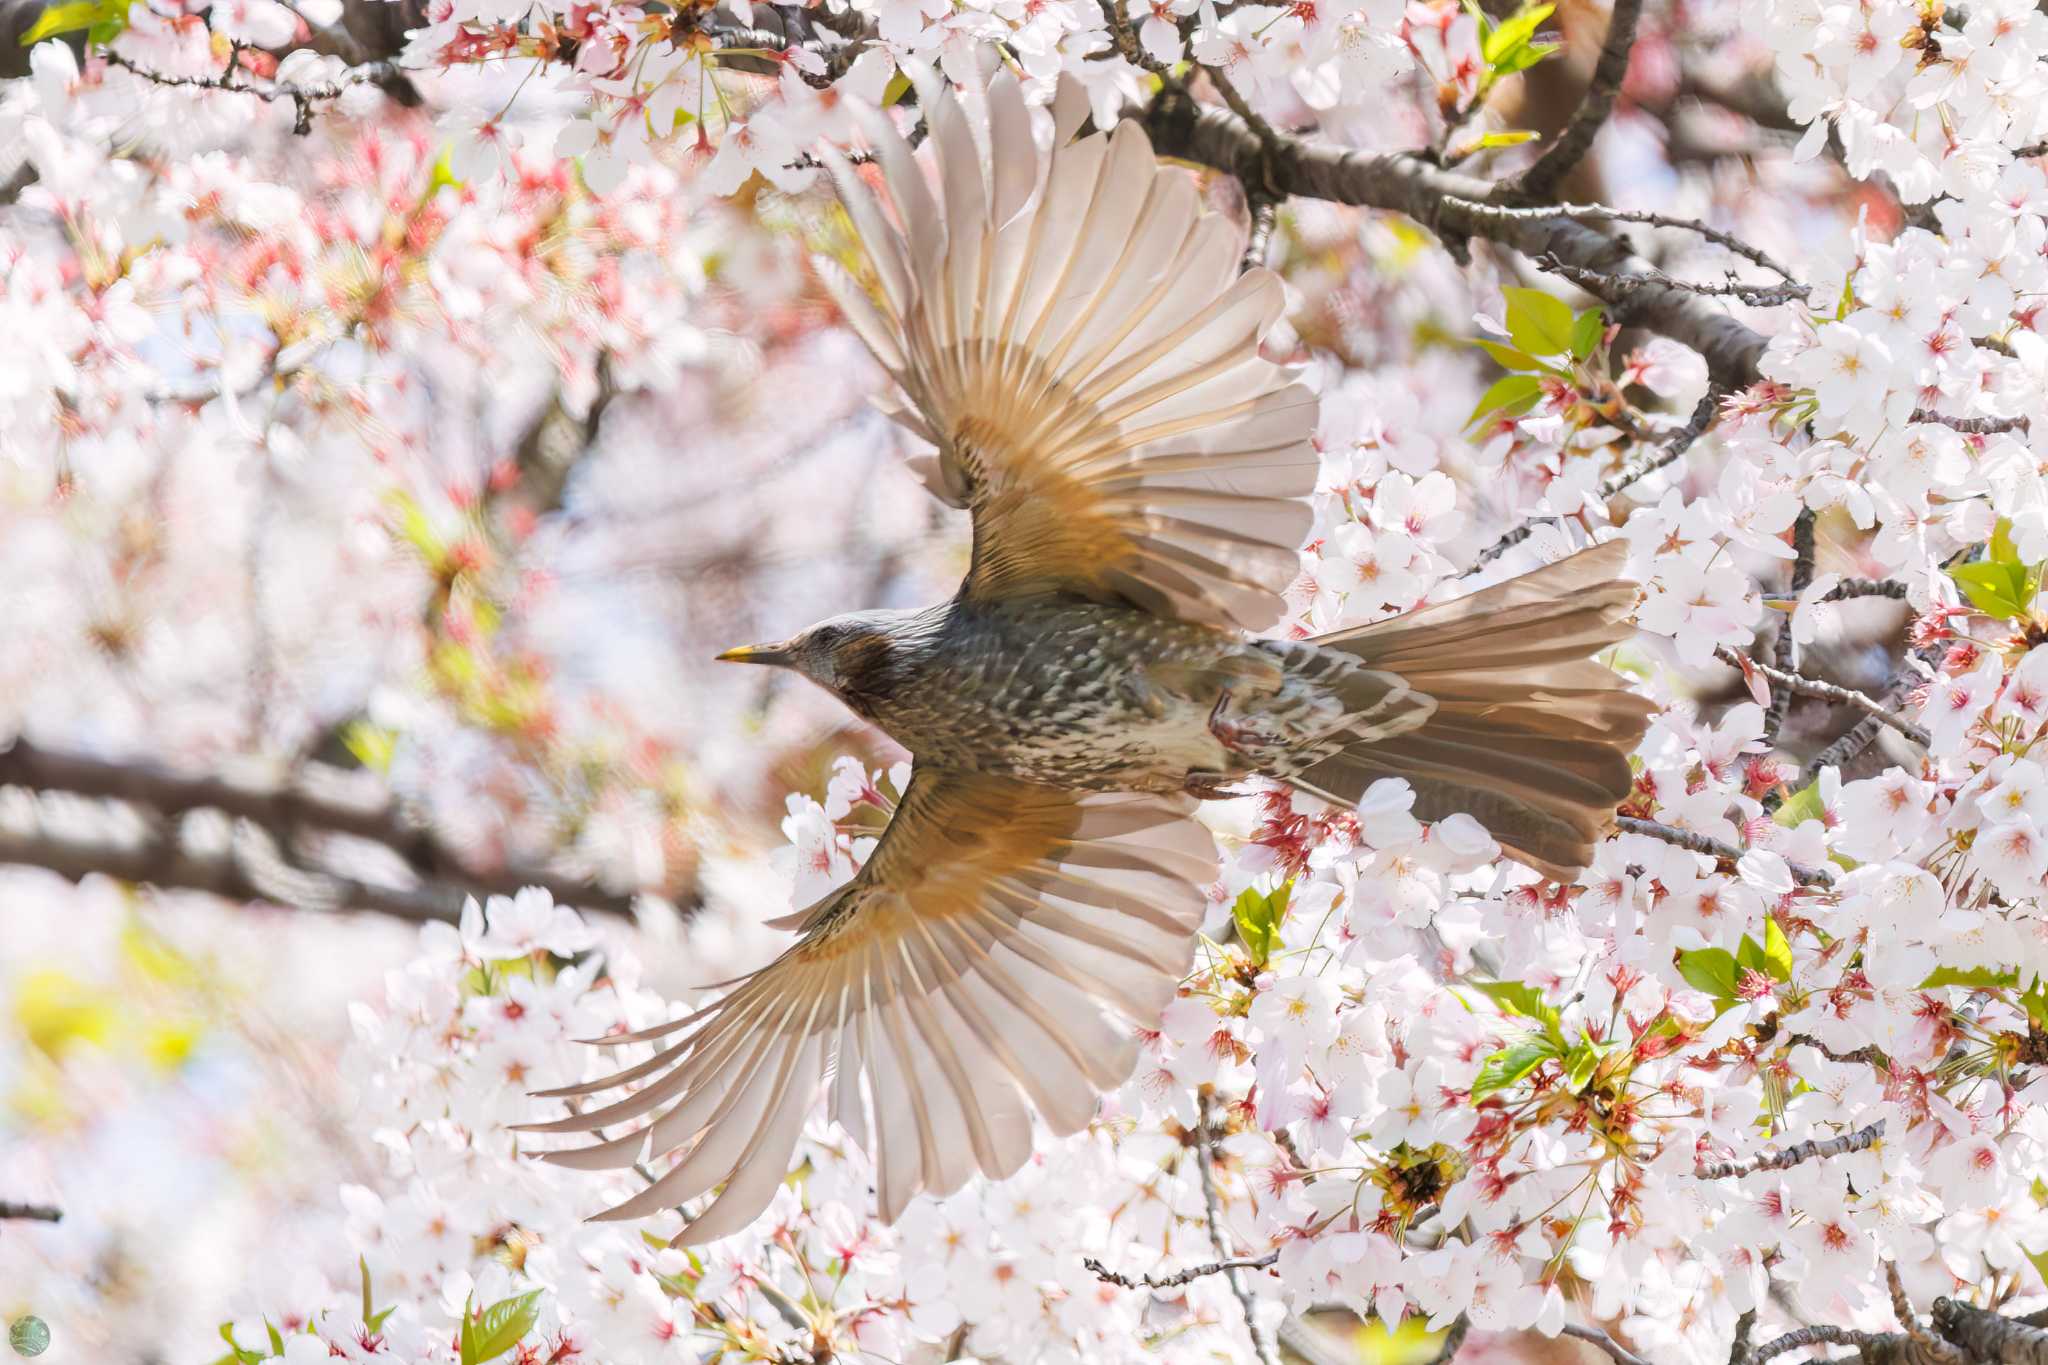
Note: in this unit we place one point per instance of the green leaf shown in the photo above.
(1976, 978)
(1777, 952)
(1258, 919)
(1524, 57)
(1538, 323)
(896, 89)
(1749, 955)
(276, 1338)
(2035, 1002)
(1801, 806)
(66, 19)
(2002, 550)
(1514, 137)
(1587, 329)
(238, 1353)
(1508, 358)
(1524, 1001)
(1513, 394)
(363, 1265)
(1509, 1065)
(1578, 1067)
(1712, 970)
(1517, 29)
(2000, 590)
(497, 1329)
(372, 745)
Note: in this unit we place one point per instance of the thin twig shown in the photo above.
(1603, 213)
(1801, 685)
(1671, 449)
(303, 97)
(30, 1213)
(1205, 1161)
(1541, 179)
(1178, 1277)
(1622, 1355)
(1798, 1153)
(1970, 426)
(1699, 843)
(1615, 288)
(1785, 649)
(1869, 1054)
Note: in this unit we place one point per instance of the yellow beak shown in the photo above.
(756, 654)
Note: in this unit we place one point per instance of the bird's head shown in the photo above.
(852, 656)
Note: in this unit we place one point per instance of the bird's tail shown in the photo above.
(1531, 736)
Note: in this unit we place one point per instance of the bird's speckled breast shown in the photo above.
(1064, 692)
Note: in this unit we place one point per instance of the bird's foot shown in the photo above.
(1212, 787)
(1237, 736)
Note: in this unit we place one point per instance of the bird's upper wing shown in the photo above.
(964, 972)
(1074, 336)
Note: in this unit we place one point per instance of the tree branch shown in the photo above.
(1810, 1150)
(1798, 684)
(1205, 1160)
(31, 1213)
(283, 814)
(1622, 1355)
(1594, 281)
(303, 97)
(1714, 848)
(1672, 448)
(1992, 1337)
(1542, 178)
(1454, 207)
(1178, 1277)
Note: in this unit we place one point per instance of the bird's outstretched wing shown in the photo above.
(1074, 336)
(964, 973)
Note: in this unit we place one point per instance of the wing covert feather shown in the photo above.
(1072, 334)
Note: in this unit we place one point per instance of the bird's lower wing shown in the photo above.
(996, 955)
(1074, 336)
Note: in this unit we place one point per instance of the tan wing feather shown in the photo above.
(960, 981)
(1076, 340)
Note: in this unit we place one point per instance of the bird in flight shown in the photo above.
(1077, 344)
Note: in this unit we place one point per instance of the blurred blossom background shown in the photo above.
(374, 498)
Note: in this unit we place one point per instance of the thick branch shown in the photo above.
(1990, 1336)
(31, 1213)
(1454, 207)
(281, 811)
(1810, 1150)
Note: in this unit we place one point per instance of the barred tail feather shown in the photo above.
(1531, 736)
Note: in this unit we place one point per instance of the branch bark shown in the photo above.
(29, 1213)
(268, 866)
(1811, 1150)
(1798, 684)
(1455, 208)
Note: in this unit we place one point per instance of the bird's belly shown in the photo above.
(1098, 742)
